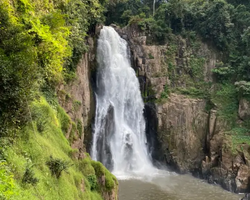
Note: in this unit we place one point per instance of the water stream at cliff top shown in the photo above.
(119, 140)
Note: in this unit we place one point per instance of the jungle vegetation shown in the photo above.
(41, 42)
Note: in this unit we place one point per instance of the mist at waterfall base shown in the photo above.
(119, 140)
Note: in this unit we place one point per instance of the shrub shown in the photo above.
(76, 105)
(100, 171)
(7, 185)
(92, 181)
(72, 134)
(165, 93)
(99, 168)
(109, 180)
(29, 177)
(243, 87)
(225, 98)
(64, 119)
(79, 127)
(42, 114)
(85, 167)
(57, 166)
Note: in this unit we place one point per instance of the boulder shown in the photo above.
(244, 109)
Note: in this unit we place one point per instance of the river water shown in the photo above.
(171, 187)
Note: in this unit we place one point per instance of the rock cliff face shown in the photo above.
(77, 98)
(183, 131)
(78, 101)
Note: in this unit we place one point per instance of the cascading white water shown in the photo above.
(119, 140)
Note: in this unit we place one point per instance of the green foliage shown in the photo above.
(243, 88)
(193, 92)
(165, 93)
(53, 48)
(150, 56)
(225, 98)
(222, 71)
(123, 11)
(76, 105)
(86, 167)
(156, 29)
(18, 69)
(64, 119)
(41, 43)
(79, 127)
(7, 186)
(50, 94)
(99, 168)
(34, 149)
(197, 68)
(239, 135)
(100, 171)
(95, 170)
(221, 13)
(92, 181)
(82, 15)
(109, 180)
(42, 114)
(69, 76)
(57, 166)
(224, 24)
(29, 177)
(73, 132)
(239, 131)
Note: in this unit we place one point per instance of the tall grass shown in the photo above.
(43, 137)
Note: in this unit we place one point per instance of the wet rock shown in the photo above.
(226, 167)
(154, 146)
(212, 122)
(242, 179)
(182, 132)
(107, 131)
(222, 177)
(246, 197)
(108, 195)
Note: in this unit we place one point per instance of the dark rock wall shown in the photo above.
(182, 132)
(77, 98)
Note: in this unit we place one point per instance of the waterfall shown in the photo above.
(119, 140)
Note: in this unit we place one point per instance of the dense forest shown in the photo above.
(224, 25)
(41, 43)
